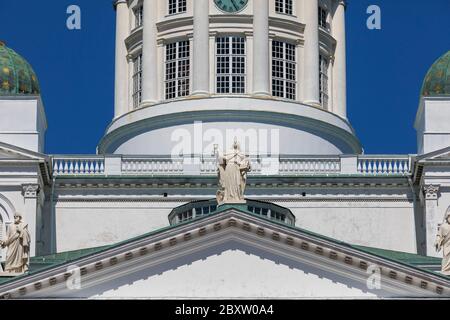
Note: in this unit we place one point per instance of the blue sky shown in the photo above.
(76, 68)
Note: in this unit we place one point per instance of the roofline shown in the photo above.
(225, 216)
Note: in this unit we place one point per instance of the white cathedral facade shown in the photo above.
(139, 219)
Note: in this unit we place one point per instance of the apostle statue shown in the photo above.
(18, 243)
(443, 243)
(232, 169)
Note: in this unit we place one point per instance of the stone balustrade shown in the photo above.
(114, 165)
(79, 165)
(373, 165)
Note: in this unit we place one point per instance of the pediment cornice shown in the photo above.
(240, 226)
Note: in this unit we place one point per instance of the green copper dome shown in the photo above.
(16, 75)
(437, 81)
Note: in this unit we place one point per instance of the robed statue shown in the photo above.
(443, 243)
(18, 242)
(232, 169)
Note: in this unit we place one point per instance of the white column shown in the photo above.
(161, 85)
(261, 50)
(311, 59)
(150, 54)
(340, 65)
(200, 52)
(121, 76)
(30, 195)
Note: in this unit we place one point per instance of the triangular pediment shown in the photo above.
(10, 152)
(231, 249)
(442, 154)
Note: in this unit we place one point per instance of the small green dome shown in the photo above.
(16, 75)
(437, 81)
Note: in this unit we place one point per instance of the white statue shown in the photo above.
(233, 167)
(443, 242)
(18, 243)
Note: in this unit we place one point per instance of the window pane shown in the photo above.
(284, 6)
(177, 69)
(323, 14)
(284, 69)
(230, 65)
(139, 16)
(177, 6)
(137, 81)
(323, 81)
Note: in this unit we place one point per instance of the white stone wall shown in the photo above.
(387, 225)
(382, 224)
(23, 122)
(432, 124)
(85, 225)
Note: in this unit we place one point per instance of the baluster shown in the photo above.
(328, 165)
(158, 166)
(144, 167)
(96, 168)
(390, 166)
(102, 167)
(378, 166)
(66, 167)
(77, 167)
(301, 166)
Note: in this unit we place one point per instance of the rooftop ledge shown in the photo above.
(229, 103)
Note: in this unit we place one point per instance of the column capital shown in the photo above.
(117, 2)
(30, 190)
(342, 3)
(431, 191)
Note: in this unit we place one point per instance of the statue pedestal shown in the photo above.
(235, 202)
